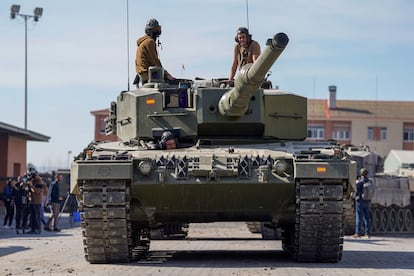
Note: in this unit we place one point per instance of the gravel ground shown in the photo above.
(210, 249)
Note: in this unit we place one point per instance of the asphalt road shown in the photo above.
(210, 249)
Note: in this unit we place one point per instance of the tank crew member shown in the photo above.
(168, 141)
(245, 51)
(147, 55)
(362, 207)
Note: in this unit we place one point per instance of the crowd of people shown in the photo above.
(25, 200)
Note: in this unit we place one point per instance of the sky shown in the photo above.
(81, 55)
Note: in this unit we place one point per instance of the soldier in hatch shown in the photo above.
(147, 54)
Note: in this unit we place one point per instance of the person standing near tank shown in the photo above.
(245, 51)
(362, 208)
(37, 187)
(23, 198)
(54, 202)
(147, 54)
(9, 203)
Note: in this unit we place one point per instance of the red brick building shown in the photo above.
(100, 135)
(381, 125)
(13, 150)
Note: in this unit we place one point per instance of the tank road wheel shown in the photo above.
(269, 233)
(254, 226)
(392, 214)
(141, 242)
(408, 220)
(288, 239)
(373, 225)
(178, 231)
(384, 220)
(376, 221)
(105, 221)
(318, 234)
(400, 220)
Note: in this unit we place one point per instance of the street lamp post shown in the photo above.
(37, 13)
(69, 153)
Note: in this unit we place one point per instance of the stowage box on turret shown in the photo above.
(241, 157)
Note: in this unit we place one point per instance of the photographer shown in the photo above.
(22, 195)
(37, 188)
(9, 204)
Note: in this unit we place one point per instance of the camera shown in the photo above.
(30, 175)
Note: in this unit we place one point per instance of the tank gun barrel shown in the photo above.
(234, 103)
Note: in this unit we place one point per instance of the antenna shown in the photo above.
(376, 110)
(127, 25)
(247, 13)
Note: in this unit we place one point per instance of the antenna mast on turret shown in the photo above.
(247, 13)
(127, 23)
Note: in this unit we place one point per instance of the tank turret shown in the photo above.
(192, 110)
(234, 103)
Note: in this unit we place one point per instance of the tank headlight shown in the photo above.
(145, 167)
(280, 166)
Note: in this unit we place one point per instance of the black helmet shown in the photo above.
(166, 136)
(243, 30)
(153, 28)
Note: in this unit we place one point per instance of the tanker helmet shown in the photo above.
(364, 171)
(243, 30)
(153, 28)
(166, 136)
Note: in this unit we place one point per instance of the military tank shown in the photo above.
(241, 157)
(391, 206)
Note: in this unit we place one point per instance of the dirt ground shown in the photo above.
(225, 248)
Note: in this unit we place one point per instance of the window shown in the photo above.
(377, 133)
(340, 134)
(383, 133)
(370, 133)
(316, 132)
(102, 125)
(408, 134)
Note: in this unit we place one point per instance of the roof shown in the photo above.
(100, 112)
(404, 156)
(352, 109)
(6, 129)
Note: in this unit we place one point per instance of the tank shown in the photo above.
(391, 207)
(242, 156)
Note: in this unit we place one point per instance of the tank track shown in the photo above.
(107, 231)
(317, 235)
(349, 225)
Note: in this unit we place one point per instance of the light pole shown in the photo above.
(69, 153)
(37, 13)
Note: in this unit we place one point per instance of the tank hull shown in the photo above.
(121, 205)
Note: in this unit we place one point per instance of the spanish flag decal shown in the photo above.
(321, 169)
(150, 101)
